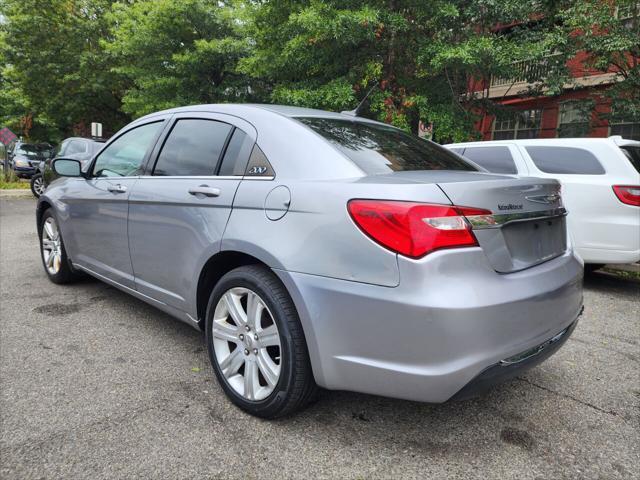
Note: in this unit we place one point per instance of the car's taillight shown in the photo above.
(414, 229)
(629, 194)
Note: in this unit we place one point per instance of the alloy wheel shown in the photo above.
(51, 246)
(246, 343)
(38, 185)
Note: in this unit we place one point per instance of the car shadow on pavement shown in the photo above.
(519, 413)
(604, 281)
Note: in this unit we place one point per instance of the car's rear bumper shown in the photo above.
(601, 255)
(451, 317)
(511, 367)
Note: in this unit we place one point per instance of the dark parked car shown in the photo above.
(82, 149)
(25, 158)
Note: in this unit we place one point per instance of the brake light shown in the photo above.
(414, 229)
(629, 194)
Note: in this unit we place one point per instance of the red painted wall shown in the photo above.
(551, 112)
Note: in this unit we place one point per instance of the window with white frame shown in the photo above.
(524, 124)
(574, 119)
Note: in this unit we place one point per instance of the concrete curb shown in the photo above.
(16, 193)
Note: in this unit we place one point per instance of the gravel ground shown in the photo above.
(96, 384)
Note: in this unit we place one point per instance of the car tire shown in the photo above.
(295, 386)
(37, 185)
(52, 251)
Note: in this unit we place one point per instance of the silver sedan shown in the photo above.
(320, 249)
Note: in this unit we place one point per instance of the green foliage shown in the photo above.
(65, 63)
(54, 75)
(612, 44)
(326, 54)
(178, 53)
(9, 180)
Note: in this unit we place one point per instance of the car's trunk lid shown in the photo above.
(528, 223)
(527, 226)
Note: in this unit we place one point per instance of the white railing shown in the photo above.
(526, 71)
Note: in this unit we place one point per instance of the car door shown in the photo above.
(98, 206)
(179, 209)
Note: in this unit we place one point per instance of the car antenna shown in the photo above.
(356, 111)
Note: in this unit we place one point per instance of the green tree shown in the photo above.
(179, 53)
(54, 72)
(422, 55)
(609, 34)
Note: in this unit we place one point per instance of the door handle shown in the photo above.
(205, 190)
(117, 188)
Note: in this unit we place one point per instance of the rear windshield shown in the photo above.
(633, 154)
(379, 149)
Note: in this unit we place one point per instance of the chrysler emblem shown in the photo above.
(547, 199)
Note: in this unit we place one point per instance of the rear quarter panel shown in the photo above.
(317, 236)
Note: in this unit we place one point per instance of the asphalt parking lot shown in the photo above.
(97, 384)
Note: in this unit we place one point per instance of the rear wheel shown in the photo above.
(256, 344)
(54, 256)
(37, 185)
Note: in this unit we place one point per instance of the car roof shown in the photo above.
(575, 142)
(96, 140)
(249, 110)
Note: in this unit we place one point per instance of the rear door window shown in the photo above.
(237, 155)
(494, 159)
(379, 149)
(633, 154)
(193, 148)
(565, 160)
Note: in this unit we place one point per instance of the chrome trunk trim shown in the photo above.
(501, 219)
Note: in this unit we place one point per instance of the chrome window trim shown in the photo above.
(258, 177)
(479, 222)
(113, 178)
(203, 177)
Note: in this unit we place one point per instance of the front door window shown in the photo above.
(124, 156)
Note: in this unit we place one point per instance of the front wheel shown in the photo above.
(256, 344)
(37, 185)
(54, 256)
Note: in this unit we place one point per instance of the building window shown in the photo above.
(626, 13)
(574, 119)
(626, 129)
(525, 124)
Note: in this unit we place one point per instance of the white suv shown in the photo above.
(600, 187)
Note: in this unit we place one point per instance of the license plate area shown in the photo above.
(535, 241)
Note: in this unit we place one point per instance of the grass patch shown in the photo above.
(9, 181)
(622, 273)
(13, 185)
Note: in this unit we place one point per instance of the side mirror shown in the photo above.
(67, 167)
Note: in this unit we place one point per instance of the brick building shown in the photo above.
(580, 111)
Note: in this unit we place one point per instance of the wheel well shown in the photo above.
(215, 268)
(42, 207)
